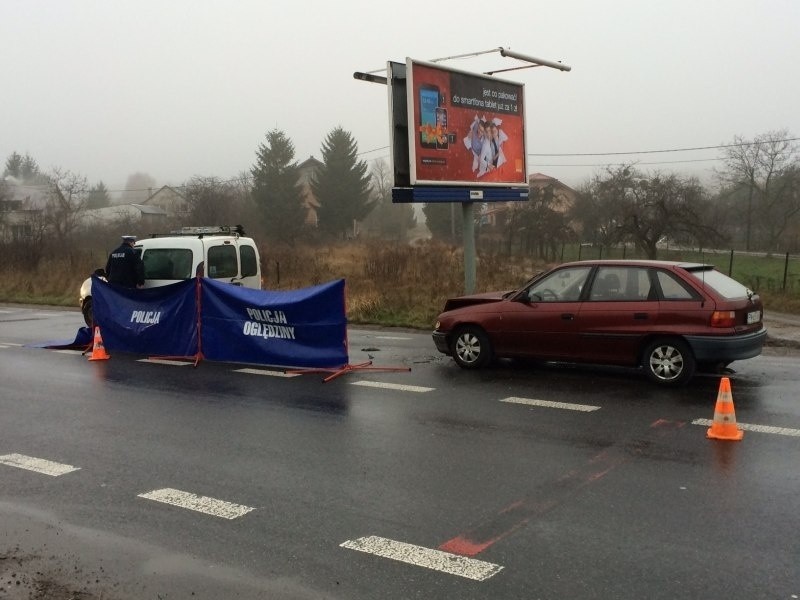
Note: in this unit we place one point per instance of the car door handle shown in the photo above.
(567, 316)
(640, 316)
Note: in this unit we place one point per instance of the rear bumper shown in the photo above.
(727, 348)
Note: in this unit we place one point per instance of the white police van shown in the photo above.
(218, 252)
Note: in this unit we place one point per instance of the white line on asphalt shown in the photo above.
(266, 372)
(759, 428)
(393, 386)
(390, 337)
(203, 504)
(64, 351)
(164, 361)
(452, 564)
(10, 344)
(39, 465)
(548, 404)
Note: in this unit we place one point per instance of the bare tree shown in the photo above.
(65, 203)
(764, 176)
(388, 220)
(213, 201)
(630, 206)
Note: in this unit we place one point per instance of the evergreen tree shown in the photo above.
(25, 168)
(341, 185)
(276, 190)
(98, 197)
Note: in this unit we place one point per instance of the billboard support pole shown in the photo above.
(468, 212)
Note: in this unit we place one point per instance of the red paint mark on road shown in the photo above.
(516, 515)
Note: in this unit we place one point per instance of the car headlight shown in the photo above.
(435, 327)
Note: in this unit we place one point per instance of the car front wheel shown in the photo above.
(88, 315)
(668, 362)
(471, 347)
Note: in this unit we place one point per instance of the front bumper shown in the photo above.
(708, 348)
(440, 339)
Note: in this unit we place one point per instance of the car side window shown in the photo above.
(672, 288)
(630, 284)
(564, 285)
(222, 261)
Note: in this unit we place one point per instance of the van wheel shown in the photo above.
(88, 314)
(668, 361)
(471, 348)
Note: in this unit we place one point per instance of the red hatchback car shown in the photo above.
(669, 318)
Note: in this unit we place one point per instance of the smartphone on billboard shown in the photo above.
(428, 103)
(442, 139)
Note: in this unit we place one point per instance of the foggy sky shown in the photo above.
(179, 88)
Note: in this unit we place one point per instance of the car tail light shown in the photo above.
(723, 318)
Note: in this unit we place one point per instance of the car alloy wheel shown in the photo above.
(471, 348)
(668, 362)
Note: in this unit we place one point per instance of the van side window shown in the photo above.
(249, 261)
(222, 262)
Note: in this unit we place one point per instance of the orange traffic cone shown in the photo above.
(98, 349)
(724, 425)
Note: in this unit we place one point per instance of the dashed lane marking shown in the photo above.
(393, 386)
(267, 372)
(759, 428)
(69, 351)
(202, 504)
(39, 465)
(11, 344)
(391, 337)
(549, 404)
(445, 562)
(164, 361)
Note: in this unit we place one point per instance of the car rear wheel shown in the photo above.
(88, 314)
(471, 347)
(668, 361)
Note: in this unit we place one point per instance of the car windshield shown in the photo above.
(721, 283)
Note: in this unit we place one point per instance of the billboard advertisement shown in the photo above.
(464, 128)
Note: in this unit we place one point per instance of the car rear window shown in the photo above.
(720, 283)
(167, 263)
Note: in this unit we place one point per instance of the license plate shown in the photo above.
(753, 317)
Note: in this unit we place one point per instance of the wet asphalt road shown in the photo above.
(621, 496)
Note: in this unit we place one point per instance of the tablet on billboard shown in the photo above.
(464, 128)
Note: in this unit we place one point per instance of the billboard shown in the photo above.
(464, 129)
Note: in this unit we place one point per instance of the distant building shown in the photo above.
(496, 213)
(169, 200)
(22, 208)
(165, 203)
(131, 213)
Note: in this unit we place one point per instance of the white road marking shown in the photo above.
(164, 361)
(203, 504)
(759, 428)
(39, 465)
(548, 404)
(266, 372)
(452, 564)
(393, 386)
(12, 344)
(65, 351)
(390, 337)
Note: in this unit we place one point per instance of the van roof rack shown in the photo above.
(204, 230)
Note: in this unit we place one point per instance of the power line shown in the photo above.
(718, 147)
